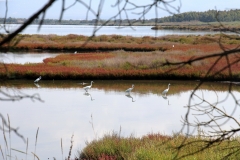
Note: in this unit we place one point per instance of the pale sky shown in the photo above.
(25, 8)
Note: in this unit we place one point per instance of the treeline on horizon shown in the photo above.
(207, 16)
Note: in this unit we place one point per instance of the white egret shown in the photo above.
(88, 87)
(166, 90)
(130, 89)
(38, 79)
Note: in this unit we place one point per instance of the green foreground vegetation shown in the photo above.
(159, 146)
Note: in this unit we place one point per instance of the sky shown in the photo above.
(25, 8)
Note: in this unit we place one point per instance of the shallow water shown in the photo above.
(87, 30)
(24, 58)
(68, 110)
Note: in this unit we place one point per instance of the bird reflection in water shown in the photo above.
(37, 85)
(129, 96)
(89, 95)
(83, 83)
(165, 97)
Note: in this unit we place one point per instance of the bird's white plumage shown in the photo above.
(38, 79)
(130, 89)
(88, 87)
(166, 90)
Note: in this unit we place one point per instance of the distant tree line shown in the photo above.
(208, 16)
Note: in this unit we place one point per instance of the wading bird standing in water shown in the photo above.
(38, 79)
(130, 89)
(165, 91)
(88, 87)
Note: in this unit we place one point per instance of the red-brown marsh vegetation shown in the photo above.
(75, 42)
(120, 64)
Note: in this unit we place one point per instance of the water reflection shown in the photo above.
(129, 96)
(24, 58)
(87, 30)
(83, 83)
(37, 85)
(89, 95)
(67, 109)
(166, 98)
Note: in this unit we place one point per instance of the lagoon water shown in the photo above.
(24, 58)
(87, 30)
(67, 110)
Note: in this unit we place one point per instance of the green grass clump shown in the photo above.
(158, 146)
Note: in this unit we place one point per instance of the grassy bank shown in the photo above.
(158, 146)
(120, 64)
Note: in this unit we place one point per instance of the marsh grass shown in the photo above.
(119, 64)
(36, 143)
(112, 42)
(157, 146)
(70, 150)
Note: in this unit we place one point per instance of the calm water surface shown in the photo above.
(23, 58)
(67, 111)
(135, 31)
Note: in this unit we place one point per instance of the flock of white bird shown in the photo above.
(164, 93)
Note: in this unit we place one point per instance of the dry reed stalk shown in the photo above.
(62, 148)
(70, 150)
(35, 156)
(27, 149)
(5, 139)
(120, 130)
(18, 150)
(9, 127)
(2, 152)
(91, 122)
(36, 145)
